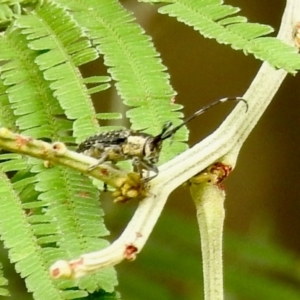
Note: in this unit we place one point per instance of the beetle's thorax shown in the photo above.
(134, 145)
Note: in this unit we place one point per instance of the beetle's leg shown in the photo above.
(151, 168)
(140, 165)
(101, 160)
(105, 156)
(136, 163)
(105, 187)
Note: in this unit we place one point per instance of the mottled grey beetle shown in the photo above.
(142, 148)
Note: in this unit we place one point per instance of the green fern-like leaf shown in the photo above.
(27, 91)
(24, 249)
(64, 47)
(7, 117)
(213, 19)
(3, 283)
(9, 10)
(12, 162)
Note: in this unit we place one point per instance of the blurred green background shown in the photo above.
(262, 225)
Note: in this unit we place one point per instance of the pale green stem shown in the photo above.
(209, 201)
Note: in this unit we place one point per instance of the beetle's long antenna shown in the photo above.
(166, 134)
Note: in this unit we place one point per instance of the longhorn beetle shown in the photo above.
(142, 148)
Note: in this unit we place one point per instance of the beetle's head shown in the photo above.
(153, 145)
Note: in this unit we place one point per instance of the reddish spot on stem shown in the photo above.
(59, 148)
(56, 146)
(104, 172)
(222, 171)
(22, 141)
(55, 273)
(130, 252)
(138, 234)
(44, 150)
(74, 264)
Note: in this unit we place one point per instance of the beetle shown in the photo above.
(142, 148)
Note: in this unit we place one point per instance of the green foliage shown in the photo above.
(52, 213)
(3, 283)
(216, 21)
(12, 9)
